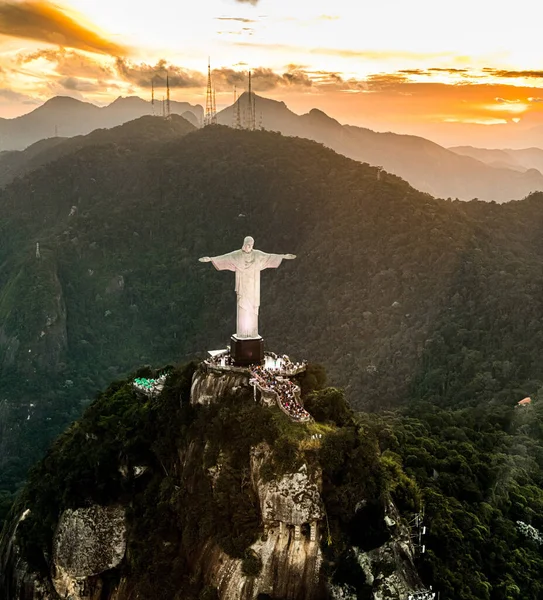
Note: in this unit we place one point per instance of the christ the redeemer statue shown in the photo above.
(247, 263)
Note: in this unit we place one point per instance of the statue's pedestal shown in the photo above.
(247, 351)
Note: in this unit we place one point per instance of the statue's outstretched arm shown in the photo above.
(289, 256)
(205, 259)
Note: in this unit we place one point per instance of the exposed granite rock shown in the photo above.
(293, 499)
(290, 569)
(42, 345)
(17, 581)
(208, 384)
(88, 541)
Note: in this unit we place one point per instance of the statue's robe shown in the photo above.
(247, 266)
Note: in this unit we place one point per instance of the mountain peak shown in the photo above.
(261, 100)
(62, 102)
(319, 115)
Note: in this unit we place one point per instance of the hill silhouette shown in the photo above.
(521, 159)
(67, 117)
(399, 295)
(140, 131)
(424, 164)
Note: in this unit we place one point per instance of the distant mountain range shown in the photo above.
(448, 173)
(519, 160)
(16, 163)
(425, 165)
(67, 117)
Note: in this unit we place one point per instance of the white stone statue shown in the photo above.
(247, 263)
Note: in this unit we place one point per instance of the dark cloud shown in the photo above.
(532, 99)
(43, 21)
(143, 75)
(505, 101)
(80, 85)
(513, 74)
(11, 96)
(262, 79)
(68, 63)
(384, 81)
(239, 19)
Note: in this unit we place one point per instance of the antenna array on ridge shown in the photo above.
(250, 121)
(166, 109)
(210, 117)
(237, 110)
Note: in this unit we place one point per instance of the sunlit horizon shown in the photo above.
(389, 65)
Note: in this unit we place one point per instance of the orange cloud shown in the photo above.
(43, 21)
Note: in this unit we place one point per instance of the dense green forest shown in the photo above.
(429, 305)
(474, 472)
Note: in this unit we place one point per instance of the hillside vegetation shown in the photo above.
(401, 296)
(474, 473)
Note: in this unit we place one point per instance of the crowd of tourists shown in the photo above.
(272, 377)
(283, 364)
(284, 389)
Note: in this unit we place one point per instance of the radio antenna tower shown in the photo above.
(214, 118)
(251, 125)
(238, 114)
(237, 110)
(211, 116)
(168, 111)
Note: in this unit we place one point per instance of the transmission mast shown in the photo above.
(168, 111)
(251, 121)
(237, 110)
(210, 117)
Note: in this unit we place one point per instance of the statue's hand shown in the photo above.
(205, 259)
(289, 256)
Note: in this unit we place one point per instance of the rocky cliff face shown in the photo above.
(88, 542)
(42, 344)
(92, 551)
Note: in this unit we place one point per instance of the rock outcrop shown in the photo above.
(211, 384)
(293, 499)
(88, 541)
(290, 568)
(286, 540)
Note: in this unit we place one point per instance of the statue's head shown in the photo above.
(248, 244)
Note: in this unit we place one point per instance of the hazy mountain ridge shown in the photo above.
(424, 164)
(16, 163)
(66, 117)
(522, 159)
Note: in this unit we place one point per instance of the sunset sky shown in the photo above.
(417, 66)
